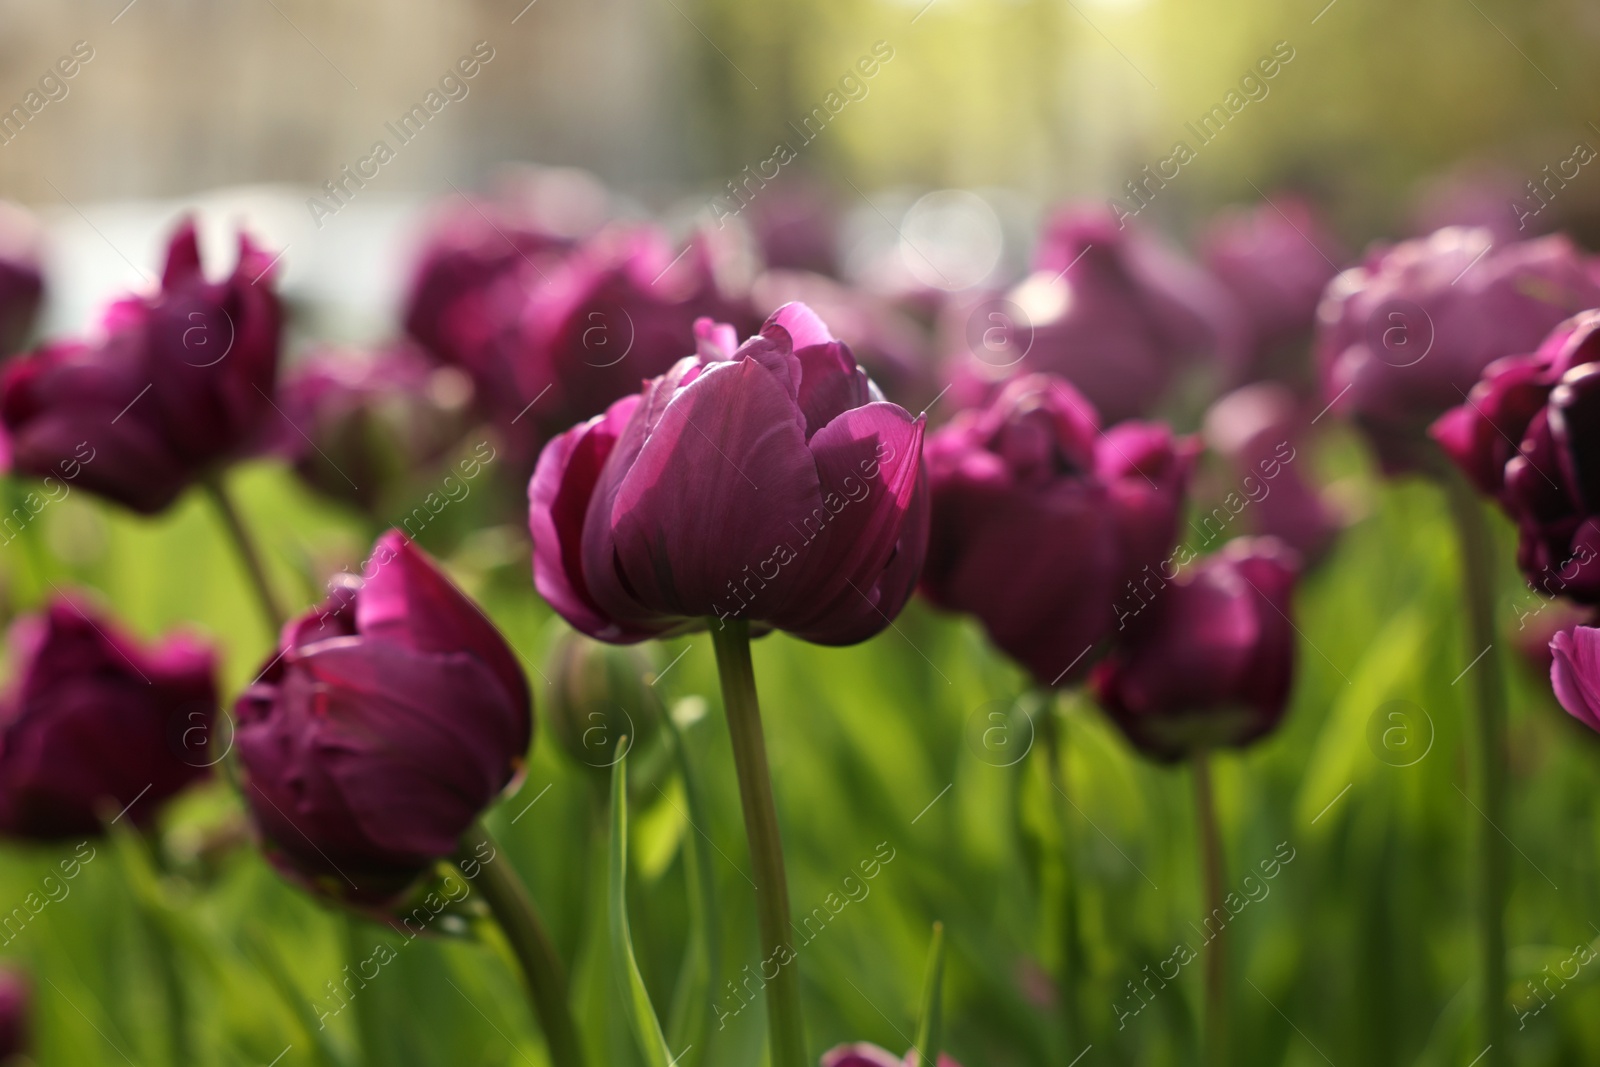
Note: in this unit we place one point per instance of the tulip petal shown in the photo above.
(1575, 673)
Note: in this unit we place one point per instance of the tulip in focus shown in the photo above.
(390, 717)
(1212, 662)
(767, 482)
(1402, 337)
(16, 1001)
(1042, 523)
(21, 281)
(177, 385)
(96, 726)
(1575, 673)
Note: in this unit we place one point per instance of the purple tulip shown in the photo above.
(1260, 432)
(796, 224)
(1575, 673)
(180, 384)
(863, 1054)
(769, 483)
(1273, 259)
(1042, 522)
(1212, 662)
(96, 725)
(16, 1003)
(1111, 310)
(1404, 336)
(388, 720)
(21, 281)
(359, 424)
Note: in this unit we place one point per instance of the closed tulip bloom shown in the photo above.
(768, 483)
(863, 1054)
(1111, 310)
(359, 424)
(16, 1001)
(389, 718)
(1211, 663)
(179, 384)
(96, 725)
(1404, 336)
(1273, 259)
(1575, 673)
(21, 281)
(1041, 523)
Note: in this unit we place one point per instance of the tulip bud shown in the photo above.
(599, 694)
(21, 281)
(1212, 662)
(180, 383)
(16, 999)
(390, 717)
(97, 726)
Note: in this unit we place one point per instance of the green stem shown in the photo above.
(732, 642)
(249, 555)
(518, 917)
(930, 1030)
(1216, 1031)
(1071, 951)
(1477, 577)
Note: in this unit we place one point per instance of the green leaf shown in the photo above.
(928, 1031)
(636, 999)
(690, 1017)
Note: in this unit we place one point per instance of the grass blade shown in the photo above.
(641, 1015)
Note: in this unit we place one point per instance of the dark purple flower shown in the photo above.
(1260, 431)
(358, 424)
(1041, 521)
(95, 723)
(1110, 309)
(1575, 673)
(390, 717)
(769, 483)
(1211, 663)
(1274, 259)
(16, 1005)
(1404, 336)
(180, 384)
(21, 281)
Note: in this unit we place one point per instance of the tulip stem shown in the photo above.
(249, 555)
(519, 920)
(1477, 577)
(732, 642)
(1053, 732)
(1216, 1015)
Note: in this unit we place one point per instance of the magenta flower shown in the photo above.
(768, 483)
(358, 425)
(1404, 336)
(96, 725)
(180, 384)
(1109, 309)
(21, 280)
(1043, 524)
(863, 1054)
(16, 1005)
(1575, 673)
(388, 720)
(1211, 663)
(1272, 258)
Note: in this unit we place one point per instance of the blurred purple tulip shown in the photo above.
(1275, 259)
(95, 724)
(16, 1006)
(863, 1054)
(388, 720)
(359, 424)
(1404, 336)
(180, 384)
(796, 223)
(1212, 662)
(1575, 673)
(1112, 310)
(1260, 431)
(769, 483)
(1041, 521)
(21, 280)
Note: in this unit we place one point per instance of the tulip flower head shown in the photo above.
(767, 482)
(1042, 523)
(1402, 337)
(388, 720)
(1575, 673)
(179, 384)
(97, 726)
(1212, 663)
(16, 1000)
